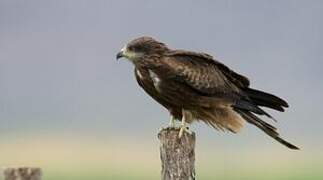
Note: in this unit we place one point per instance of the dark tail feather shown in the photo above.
(267, 128)
(249, 106)
(265, 99)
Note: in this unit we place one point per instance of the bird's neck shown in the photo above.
(149, 62)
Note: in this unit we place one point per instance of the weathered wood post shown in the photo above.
(22, 173)
(177, 155)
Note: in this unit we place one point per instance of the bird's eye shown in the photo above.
(131, 48)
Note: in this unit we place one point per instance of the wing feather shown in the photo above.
(204, 74)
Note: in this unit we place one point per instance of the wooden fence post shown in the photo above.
(177, 155)
(22, 173)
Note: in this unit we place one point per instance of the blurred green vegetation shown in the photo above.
(68, 159)
(297, 175)
(147, 173)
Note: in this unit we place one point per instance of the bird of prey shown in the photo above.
(194, 86)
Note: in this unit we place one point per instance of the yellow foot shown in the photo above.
(182, 130)
(172, 123)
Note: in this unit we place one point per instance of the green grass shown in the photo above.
(204, 177)
(296, 174)
(68, 159)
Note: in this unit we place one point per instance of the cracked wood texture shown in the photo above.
(177, 155)
(22, 173)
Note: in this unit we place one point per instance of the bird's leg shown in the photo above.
(186, 116)
(171, 124)
(172, 121)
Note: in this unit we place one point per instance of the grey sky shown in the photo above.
(58, 70)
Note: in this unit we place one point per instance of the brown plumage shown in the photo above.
(194, 86)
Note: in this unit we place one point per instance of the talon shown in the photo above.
(182, 130)
(188, 131)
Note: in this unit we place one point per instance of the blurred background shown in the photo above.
(67, 106)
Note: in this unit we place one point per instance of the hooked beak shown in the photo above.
(119, 55)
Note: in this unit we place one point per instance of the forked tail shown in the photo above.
(267, 128)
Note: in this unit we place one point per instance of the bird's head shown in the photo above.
(142, 47)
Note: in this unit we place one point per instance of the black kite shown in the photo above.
(195, 86)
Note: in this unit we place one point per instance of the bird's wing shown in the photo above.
(212, 78)
(204, 74)
(144, 80)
